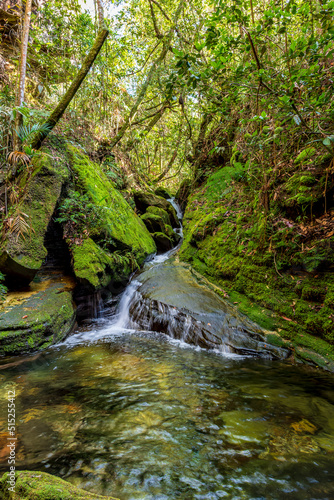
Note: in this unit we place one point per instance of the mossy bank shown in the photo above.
(264, 264)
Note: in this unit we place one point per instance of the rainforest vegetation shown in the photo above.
(115, 117)
(226, 104)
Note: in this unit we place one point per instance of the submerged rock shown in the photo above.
(42, 486)
(37, 317)
(173, 300)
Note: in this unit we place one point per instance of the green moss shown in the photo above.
(119, 221)
(160, 212)
(250, 260)
(36, 320)
(305, 155)
(43, 486)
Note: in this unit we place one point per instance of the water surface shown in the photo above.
(139, 416)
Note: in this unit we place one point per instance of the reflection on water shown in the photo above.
(140, 417)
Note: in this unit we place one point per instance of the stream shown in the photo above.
(120, 410)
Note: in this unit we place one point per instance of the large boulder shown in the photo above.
(173, 299)
(37, 317)
(42, 486)
(119, 228)
(158, 223)
(23, 251)
(161, 191)
(163, 242)
(143, 200)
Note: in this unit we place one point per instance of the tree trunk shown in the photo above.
(23, 68)
(58, 112)
(166, 46)
(147, 129)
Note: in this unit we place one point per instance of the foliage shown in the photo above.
(3, 289)
(79, 215)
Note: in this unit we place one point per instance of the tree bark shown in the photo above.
(23, 68)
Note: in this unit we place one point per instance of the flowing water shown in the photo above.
(137, 415)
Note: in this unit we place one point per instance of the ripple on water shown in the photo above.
(141, 417)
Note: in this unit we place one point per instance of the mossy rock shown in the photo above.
(120, 229)
(35, 319)
(161, 191)
(42, 486)
(96, 268)
(154, 223)
(160, 212)
(144, 200)
(163, 242)
(283, 286)
(22, 256)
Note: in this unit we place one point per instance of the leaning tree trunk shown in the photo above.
(23, 68)
(58, 112)
(148, 128)
(166, 46)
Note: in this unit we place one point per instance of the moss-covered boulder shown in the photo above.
(96, 268)
(163, 242)
(159, 212)
(42, 486)
(38, 317)
(161, 191)
(23, 251)
(158, 223)
(145, 200)
(118, 229)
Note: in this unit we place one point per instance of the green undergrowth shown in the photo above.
(262, 261)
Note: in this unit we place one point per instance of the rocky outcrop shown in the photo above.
(145, 200)
(37, 317)
(174, 300)
(23, 251)
(100, 255)
(42, 486)
(120, 241)
(158, 223)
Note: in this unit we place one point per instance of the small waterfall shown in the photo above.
(177, 208)
(122, 318)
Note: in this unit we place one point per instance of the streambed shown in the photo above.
(140, 416)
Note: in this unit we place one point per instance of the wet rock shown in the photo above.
(42, 486)
(144, 200)
(161, 191)
(172, 300)
(37, 317)
(163, 242)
